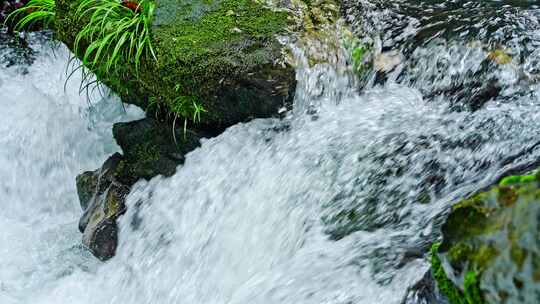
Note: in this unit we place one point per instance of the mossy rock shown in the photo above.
(102, 199)
(223, 53)
(469, 294)
(87, 183)
(491, 246)
(149, 149)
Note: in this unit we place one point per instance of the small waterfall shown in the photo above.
(336, 203)
(47, 136)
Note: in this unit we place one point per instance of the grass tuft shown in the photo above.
(116, 33)
(35, 12)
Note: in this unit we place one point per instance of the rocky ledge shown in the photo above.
(491, 245)
(223, 53)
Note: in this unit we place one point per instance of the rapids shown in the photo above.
(336, 203)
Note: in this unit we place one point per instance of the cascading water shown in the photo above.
(47, 136)
(336, 203)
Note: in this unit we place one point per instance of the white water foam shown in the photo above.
(47, 136)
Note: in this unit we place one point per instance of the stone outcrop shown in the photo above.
(223, 53)
(491, 247)
(149, 149)
(102, 199)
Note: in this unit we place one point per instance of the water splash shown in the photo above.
(469, 52)
(47, 137)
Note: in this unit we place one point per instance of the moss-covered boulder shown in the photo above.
(491, 246)
(151, 148)
(223, 54)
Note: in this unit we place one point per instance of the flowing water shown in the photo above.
(336, 203)
(47, 136)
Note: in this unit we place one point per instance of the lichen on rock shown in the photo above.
(490, 249)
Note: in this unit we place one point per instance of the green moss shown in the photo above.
(490, 238)
(459, 252)
(536, 266)
(478, 257)
(146, 152)
(507, 196)
(483, 256)
(358, 57)
(203, 47)
(444, 284)
(472, 288)
(196, 54)
(359, 52)
(518, 179)
(141, 159)
(469, 218)
(518, 255)
(87, 184)
(112, 204)
(471, 294)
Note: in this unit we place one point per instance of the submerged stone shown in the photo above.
(491, 245)
(15, 50)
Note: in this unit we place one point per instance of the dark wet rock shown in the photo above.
(9, 6)
(424, 292)
(100, 233)
(91, 185)
(491, 245)
(223, 53)
(102, 199)
(87, 183)
(149, 149)
(102, 238)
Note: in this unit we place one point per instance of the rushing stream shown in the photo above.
(334, 204)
